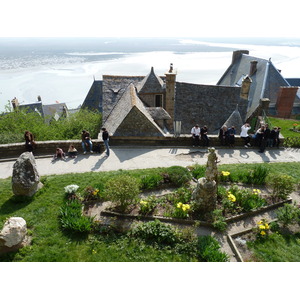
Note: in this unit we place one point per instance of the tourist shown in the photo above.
(59, 153)
(204, 136)
(259, 135)
(223, 135)
(72, 152)
(272, 137)
(231, 136)
(277, 140)
(196, 135)
(29, 141)
(244, 134)
(264, 138)
(105, 138)
(86, 141)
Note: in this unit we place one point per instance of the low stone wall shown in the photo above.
(48, 147)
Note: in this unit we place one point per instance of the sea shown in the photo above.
(62, 70)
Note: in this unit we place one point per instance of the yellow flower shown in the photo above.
(267, 226)
(263, 232)
(231, 197)
(262, 227)
(260, 222)
(256, 191)
(179, 204)
(143, 202)
(225, 173)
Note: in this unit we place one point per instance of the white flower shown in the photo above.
(72, 188)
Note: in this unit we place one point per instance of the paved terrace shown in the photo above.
(128, 158)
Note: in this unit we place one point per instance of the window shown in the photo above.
(158, 100)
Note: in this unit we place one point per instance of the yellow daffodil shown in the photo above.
(262, 227)
(179, 205)
(225, 173)
(263, 232)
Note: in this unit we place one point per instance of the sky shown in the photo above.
(153, 18)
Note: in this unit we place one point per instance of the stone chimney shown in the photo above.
(285, 101)
(170, 95)
(15, 103)
(253, 67)
(39, 98)
(237, 54)
(246, 84)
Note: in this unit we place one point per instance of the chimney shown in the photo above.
(237, 54)
(285, 101)
(39, 98)
(15, 103)
(253, 67)
(170, 95)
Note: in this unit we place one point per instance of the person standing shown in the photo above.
(196, 135)
(105, 138)
(29, 141)
(86, 141)
(244, 134)
(204, 136)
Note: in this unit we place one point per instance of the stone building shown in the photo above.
(149, 105)
(265, 82)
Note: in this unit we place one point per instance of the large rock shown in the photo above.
(25, 178)
(13, 232)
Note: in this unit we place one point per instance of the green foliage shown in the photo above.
(286, 125)
(178, 176)
(122, 190)
(282, 185)
(71, 217)
(288, 214)
(209, 250)
(151, 181)
(155, 232)
(14, 124)
(292, 141)
(219, 221)
(257, 175)
(197, 171)
(147, 205)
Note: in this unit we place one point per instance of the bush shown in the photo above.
(122, 190)
(156, 232)
(178, 176)
(282, 185)
(288, 214)
(219, 220)
(209, 250)
(256, 176)
(197, 171)
(151, 181)
(71, 217)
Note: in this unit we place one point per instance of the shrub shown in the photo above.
(155, 232)
(178, 176)
(197, 171)
(71, 217)
(256, 176)
(219, 220)
(282, 185)
(122, 190)
(147, 205)
(209, 250)
(151, 181)
(288, 214)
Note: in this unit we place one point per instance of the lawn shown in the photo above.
(50, 243)
(286, 125)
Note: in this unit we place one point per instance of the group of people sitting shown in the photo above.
(86, 143)
(263, 137)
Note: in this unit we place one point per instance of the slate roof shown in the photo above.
(235, 120)
(158, 113)
(266, 81)
(130, 117)
(93, 100)
(151, 84)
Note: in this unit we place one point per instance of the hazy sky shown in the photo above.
(151, 18)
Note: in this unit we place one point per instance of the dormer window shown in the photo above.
(159, 100)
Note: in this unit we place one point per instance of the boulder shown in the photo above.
(25, 178)
(13, 232)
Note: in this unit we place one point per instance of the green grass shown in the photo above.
(277, 248)
(51, 243)
(286, 125)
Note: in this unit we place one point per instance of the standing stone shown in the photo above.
(25, 178)
(13, 232)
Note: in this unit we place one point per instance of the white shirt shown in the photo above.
(244, 131)
(195, 131)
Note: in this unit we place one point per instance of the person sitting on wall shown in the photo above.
(72, 152)
(196, 135)
(223, 135)
(231, 136)
(204, 136)
(86, 141)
